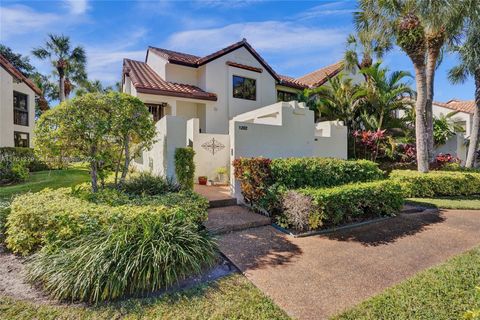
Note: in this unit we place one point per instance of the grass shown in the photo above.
(233, 297)
(443, 292)
(46, 179)
(458, 202)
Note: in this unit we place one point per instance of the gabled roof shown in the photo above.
(318, 77)
(466, 106)
(195, 61)
(291, 82)
(14, 72)
(145, 80)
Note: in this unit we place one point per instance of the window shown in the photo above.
(21, 139)
(244, 88)
(286, 96)
(20, 108)
(157, 111)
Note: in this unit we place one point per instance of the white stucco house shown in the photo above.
(226, 105)
(17, 106)
(463, 118)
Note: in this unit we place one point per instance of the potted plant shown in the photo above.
(202, 180)
(222, 174)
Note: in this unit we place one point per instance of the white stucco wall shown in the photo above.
(157, 63)
(7, 127)
(181, 74)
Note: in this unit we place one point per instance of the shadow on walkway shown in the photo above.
(259, 247)
(391, 230)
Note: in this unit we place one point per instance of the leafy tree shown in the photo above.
(469, 66)
(384, 94)
(132, 128)
(444, 128)
(47, 88)
(91, 86)
(22, 63)
(68, 63)
(103, 129)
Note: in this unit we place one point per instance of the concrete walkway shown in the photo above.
(317, 277)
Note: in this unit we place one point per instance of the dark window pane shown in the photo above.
(244, 88)
(20, 117)
(286, 96)
(20, 108)
(21, 139)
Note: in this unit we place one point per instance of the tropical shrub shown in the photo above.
(49, 218)
(27, 155)
(12, 171)
(443, 159)
(146, 183)
(298, 213)
(131, 257)
(294, 173)
(455, 166)
(4, 211)
(350, 203)
(185, 167)
(437, 183)
(255, 176)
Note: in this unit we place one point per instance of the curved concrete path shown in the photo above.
(319, 276)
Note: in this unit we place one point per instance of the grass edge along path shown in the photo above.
(461, 203)
(442, 292)
(232, 297)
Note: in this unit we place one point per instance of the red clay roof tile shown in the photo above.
(146, 80)
(320, 76)
(17, 74)
(467, 106)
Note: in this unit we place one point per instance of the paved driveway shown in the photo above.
(317, 277)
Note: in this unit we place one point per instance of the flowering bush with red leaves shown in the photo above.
(442, 159)
(255, 176)
(371, 143)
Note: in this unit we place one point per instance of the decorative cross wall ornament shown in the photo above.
(213, 146)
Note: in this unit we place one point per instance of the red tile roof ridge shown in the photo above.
(10, 68)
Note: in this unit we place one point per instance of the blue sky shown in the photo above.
(295, 37)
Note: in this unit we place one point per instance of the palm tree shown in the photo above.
(339, 100)
(469, 66)
(385, 95)
(90, 86)
(48, 92)
(69, 64)
(399, 20)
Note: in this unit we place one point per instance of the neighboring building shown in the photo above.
(463, 118)
(210, 102)
(17, 106)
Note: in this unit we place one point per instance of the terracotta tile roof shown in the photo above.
(467, 106)
(145, 80)
(17, 74)
(195, 61)
(320, 76)
(291, 82)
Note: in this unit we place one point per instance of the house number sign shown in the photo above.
(213, 146)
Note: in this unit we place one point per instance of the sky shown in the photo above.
(294, 37)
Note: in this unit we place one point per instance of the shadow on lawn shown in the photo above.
(258, 248)
(390, 230)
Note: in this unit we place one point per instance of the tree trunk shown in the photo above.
(94, 168)
(62, 87)
(472, 148)
(127, 160)
(432, 58)
(117, 166)
(420, 119)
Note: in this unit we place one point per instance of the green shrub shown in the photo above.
(12, 171)
(146, 183)
(51, 217)
(295, 173)
(24, 154)
(454, 166)
(437, 183)
(129, 258)
(185, 167)
(255, 178)
(4, 212)
(348, 203)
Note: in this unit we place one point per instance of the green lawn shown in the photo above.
(43, 179)
(470, 202)
(443, 292)
(233, 297)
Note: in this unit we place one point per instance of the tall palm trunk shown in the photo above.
(432, 58)
(472, 149)
(62, 86)
(420, 119)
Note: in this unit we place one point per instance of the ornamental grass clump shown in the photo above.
(132, 257)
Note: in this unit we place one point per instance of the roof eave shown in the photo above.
(173, 94)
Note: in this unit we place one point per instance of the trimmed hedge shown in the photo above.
(185, 167)
(51, 217)
(437, 183)
(295, 173)
(27, 155)
(350, 203)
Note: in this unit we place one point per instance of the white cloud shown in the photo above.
(77, 6)
(227, 3)
(327, 9)
(20, 19)
(266, 36)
